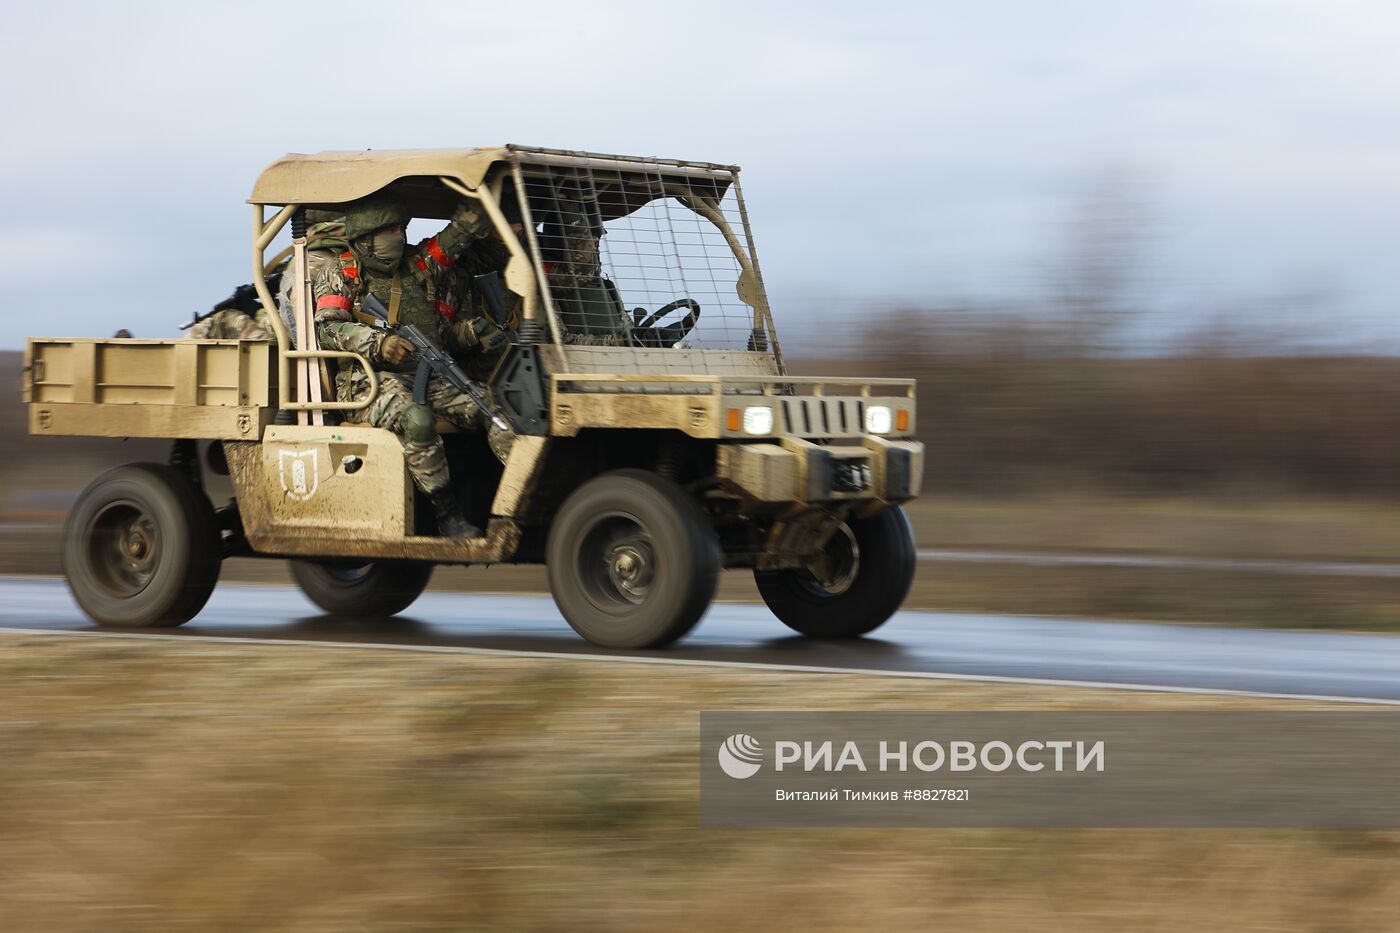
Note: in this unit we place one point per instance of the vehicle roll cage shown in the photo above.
(476, 174)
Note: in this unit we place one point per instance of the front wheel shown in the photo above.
(141, 547)
(362, 590)
(632, 559)
(853, 586)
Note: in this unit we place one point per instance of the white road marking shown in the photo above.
(695, 662)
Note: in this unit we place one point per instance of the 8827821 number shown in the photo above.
(939, 794)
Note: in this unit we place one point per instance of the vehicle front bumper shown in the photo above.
(799, 471)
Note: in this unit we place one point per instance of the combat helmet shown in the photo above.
(369, 213)
(326, 229)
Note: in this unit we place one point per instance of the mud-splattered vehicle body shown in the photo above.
(659, 436)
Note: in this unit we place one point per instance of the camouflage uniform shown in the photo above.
(475, 324)
(570, 242)
(422, 276)
(241, 316)
(589, 310)
(232, 324)
(325, 239)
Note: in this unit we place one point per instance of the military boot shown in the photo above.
(450, 522)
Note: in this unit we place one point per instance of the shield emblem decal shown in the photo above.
(297, 469)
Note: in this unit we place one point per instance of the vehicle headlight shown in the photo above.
(879, 419)
(758, 419)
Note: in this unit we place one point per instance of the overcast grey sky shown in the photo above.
(920, 152)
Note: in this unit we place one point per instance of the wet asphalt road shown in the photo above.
(1314, 664)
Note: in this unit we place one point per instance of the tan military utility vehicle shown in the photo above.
(658, 435)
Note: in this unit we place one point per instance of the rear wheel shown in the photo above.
(633, 561)
(141, 547)
(858, 581)
(362, 589)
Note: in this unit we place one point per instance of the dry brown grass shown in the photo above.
(160, 786)
(1256, 527)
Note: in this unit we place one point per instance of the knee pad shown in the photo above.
(418, 424)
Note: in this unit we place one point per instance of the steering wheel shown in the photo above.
(647, 333)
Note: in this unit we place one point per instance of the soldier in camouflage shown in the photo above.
(325, 240)
(589, 308)
(571, 239)
(232, 324)
(415, 283)
(244, 317)
(485, 311)
(588, 303)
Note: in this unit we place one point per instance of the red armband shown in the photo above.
(333, 301)
(435, 251)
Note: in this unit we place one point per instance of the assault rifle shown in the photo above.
(432, 359)
(244, 298)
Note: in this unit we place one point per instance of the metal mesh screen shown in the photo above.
(619, 246)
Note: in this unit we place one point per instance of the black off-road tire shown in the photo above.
(365, 590)
(141, 547)
(880, 581)
(633, 560)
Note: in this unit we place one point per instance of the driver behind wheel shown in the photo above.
(589, 307)
(589, 304)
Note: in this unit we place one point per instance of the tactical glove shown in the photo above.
(489, 337)
(470, 217)
(394, 350)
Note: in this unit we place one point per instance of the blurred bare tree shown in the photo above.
(1098, 260)
(1051, 394)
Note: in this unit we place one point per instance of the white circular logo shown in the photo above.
(740, 756)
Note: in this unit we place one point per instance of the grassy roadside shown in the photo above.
(221, 787)
(1254, 526)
